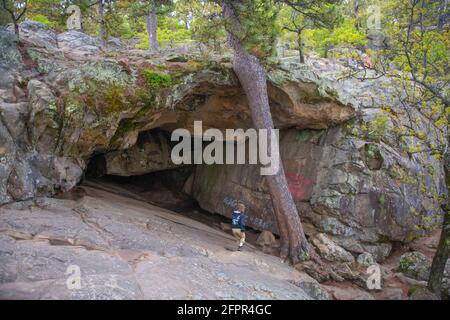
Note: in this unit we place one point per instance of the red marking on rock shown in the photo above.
(297, 185)
(296, 192)
(296, 178)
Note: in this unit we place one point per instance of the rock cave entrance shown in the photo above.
(123, 172)
(145, 172)
(162, 189)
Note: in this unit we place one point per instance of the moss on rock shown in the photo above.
(157, 80)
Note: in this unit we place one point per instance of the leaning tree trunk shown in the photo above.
(252, 77)
(150, 20)
(282, 229)
(442, 252)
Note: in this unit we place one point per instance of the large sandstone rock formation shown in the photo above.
(352, 189)
(64, 99)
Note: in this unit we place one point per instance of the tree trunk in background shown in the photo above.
(14, 19)
(356, 8)
(101, 13)
(252, 77)
(16, 28)
(150, 20)
(443, 12)
(442, 252)
(300, 47)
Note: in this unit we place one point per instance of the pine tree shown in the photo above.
(16, 11)
(244, 23)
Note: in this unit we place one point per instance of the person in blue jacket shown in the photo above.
(238, 224)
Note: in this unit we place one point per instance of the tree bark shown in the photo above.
(101, 12)
(150, 20)
(252, 77)
(16, 28)
(283, 231)
(300, 47)
(443, 13)
(356, 7)
(15, 19)
(442, 253)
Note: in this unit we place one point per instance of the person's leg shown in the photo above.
(240, 236)
(237, 234)
(242, 240)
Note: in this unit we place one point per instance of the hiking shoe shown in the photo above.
(240, 248)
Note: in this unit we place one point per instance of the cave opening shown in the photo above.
(125, 172)
(163, 189)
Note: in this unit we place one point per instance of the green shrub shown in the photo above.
(44, 20)
(382, 200)
(157, 80)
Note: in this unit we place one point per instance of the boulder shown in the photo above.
(76, 40)
(266, 238)
(312, 287)
(365, 259)
(415, 265)
(114, 43)
(37, 34)
(330, 250)
(349, 293)
(176, 58)
(379, 250)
